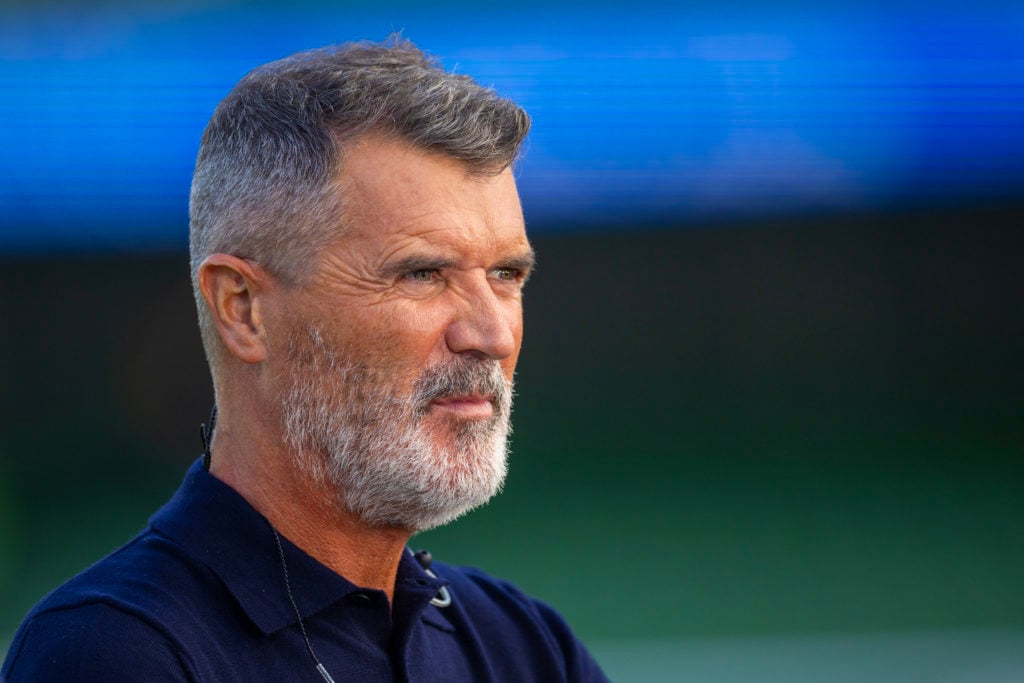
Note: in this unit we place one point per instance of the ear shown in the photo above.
(233, 288)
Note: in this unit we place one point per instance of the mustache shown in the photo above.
(460, 377)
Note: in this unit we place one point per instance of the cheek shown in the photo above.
(423, 327)
(401, 342)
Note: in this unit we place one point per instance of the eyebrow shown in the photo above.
(524, 261)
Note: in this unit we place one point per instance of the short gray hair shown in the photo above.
(264, 184)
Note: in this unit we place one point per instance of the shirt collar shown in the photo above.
(215, 525)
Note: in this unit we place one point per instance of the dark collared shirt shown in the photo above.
(199, 595)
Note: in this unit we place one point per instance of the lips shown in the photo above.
(466, 405)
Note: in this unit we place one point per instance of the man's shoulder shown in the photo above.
(93, 641)
(484, 593)
(498, 611)
(137, 598)
(151, 571)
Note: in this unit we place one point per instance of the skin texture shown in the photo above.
(431, 266)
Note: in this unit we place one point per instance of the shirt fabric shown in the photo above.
(200, 595)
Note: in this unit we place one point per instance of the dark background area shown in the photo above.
(801, 427)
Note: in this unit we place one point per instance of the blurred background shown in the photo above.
(769, 424)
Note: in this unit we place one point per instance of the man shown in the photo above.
(358, 256)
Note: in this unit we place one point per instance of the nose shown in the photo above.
(485, 324)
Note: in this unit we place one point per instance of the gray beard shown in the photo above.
(351, 433)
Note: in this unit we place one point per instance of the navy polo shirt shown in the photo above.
(200, 595)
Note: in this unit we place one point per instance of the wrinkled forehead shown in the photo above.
(392, 190)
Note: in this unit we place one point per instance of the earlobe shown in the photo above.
(232, 289)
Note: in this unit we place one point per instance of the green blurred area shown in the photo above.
(811, 427)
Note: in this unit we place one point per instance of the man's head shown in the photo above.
(265, 179)
(358, 254)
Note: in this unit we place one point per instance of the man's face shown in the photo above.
(400, 351)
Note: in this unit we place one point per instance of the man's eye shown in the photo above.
(508, 274)
(425, 275)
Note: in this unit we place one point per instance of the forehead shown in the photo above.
(395, 193)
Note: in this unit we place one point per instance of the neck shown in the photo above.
(304, 511)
